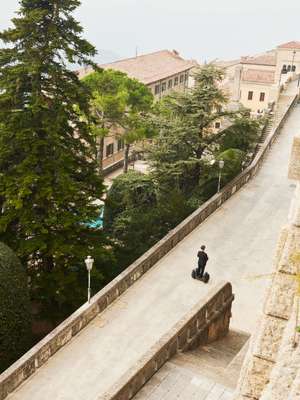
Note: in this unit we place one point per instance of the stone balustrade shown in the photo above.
(39, 354)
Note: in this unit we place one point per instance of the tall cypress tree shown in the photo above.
(48, 179)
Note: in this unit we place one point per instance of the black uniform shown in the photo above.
(202, 260)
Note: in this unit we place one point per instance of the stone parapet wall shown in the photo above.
(272, 365)
(40, 353)
(266, 344)
(206, 322)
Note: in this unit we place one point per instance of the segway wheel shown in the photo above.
(206, 277)
(194, 276)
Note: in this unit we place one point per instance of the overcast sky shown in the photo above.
(199, 29)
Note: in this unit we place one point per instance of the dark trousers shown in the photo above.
(200, 270)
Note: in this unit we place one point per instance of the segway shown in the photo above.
(204, 278)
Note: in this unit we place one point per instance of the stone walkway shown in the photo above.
(208, 373)
(240, 236)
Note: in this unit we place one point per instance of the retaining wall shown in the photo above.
(40, 353)
(206, 322)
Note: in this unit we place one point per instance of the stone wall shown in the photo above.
(265, 344)
(40, 353)
(272, 365)
(206, 322)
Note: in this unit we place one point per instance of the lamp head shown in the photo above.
(89, 261)
(221, 164)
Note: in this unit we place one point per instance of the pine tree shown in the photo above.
(48, 179)
(188, 140)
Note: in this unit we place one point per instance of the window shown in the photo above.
(262, 96)
(109, 149)
(250, 95)
(294, 68)
(120, 144)
(217, 125)
(181, 78)
(176, 81)
(163, 87)
(170, 84)
(186, 77)
(157, 89)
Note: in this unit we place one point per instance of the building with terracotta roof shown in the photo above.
(288, 60)
(253, 81)
(258, 76)
(256, 88)
(256, 81)
(266, 60)
(154, 67)
(162, 71)
(290, 45)
(248, 80)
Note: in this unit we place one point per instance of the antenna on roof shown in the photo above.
(136, 51)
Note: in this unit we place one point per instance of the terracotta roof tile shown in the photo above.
(226, 63)
(290, 45)
(259, 76)
(152, 67)
(264, 59)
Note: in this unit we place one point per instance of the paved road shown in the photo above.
(240, 237)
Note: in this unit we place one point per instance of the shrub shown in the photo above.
(15, 321)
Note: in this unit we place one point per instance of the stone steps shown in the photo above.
(207, 373)
(220, 361)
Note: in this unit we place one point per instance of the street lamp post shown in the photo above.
(89, 261)
(221, 166)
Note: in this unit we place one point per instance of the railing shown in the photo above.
(48, 346)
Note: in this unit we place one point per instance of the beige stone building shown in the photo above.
(163, 72)
(255, 82)
(288, 61)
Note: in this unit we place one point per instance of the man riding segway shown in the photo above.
(202, 260)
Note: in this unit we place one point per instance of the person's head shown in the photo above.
(203, 247)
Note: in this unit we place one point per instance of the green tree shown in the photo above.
(243, 133)
(48, 180)
(135, 123)
(129, 215)
(208, 185)
(15, 319)
(137, 217)
(187, 139)
(185, 124)
(107, 104)
(119, 103)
